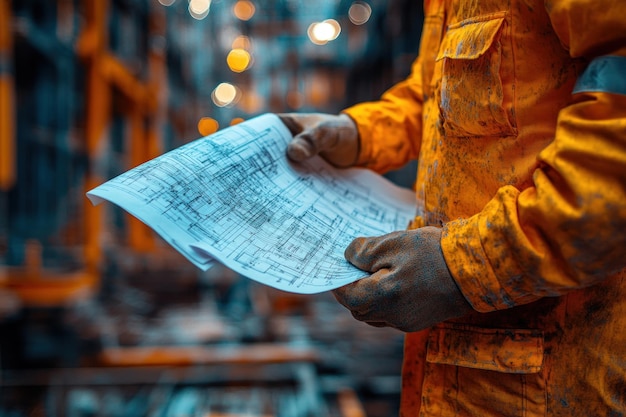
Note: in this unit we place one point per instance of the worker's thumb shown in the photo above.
(334, 137)
(366, 253)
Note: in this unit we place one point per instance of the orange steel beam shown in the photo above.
(33, 284)
(145, 114)
(7, 119)
(53, 290)
(91, 46)
(140, 237)
(349, 403)
(157, 78)
(145, 104)
(104, 72)
(140, 94)
(37, 287)
(203, 355)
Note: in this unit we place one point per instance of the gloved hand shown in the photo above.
(334, 137)
(410, 288)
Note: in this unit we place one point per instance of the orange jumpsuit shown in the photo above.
(527, 176)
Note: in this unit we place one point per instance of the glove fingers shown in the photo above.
(311, 135)
(360, 297)
(291, 122)
(301, 148)
(358, 254)
(312, 141)
(372, 253)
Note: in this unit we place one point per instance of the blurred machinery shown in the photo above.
(98, 317)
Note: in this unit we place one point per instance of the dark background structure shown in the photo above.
(98, 317)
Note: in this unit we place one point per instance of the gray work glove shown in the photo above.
(410, 287)
(334, 137)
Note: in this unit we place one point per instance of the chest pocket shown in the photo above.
(475, 89)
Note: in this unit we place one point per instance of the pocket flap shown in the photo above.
(470, 38)
(502, 350)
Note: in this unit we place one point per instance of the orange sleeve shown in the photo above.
(567, 230)
(589, 28)
(390, 129)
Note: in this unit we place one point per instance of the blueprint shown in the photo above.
(234, 197)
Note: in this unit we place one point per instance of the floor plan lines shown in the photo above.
(235, 198)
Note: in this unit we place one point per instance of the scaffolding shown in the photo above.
(97, 311)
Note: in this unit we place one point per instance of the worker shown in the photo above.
(510, 282)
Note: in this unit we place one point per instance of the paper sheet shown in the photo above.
(234, 197)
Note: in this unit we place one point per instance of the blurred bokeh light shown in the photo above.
(244, 9)
(359, 12)
(199, 9)
(225, 94)
(320, 33)
(238, 60)
(207, 126)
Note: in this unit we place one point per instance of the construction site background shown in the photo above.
(98, 316)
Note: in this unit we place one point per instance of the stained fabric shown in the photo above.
(528, 181)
